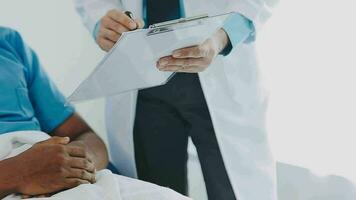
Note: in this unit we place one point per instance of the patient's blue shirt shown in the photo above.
(28, 98)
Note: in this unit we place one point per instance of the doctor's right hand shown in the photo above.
(52, 166)
(112, 25)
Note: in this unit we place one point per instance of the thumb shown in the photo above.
(140, 23)
(57, 140)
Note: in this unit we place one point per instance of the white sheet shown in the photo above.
(108, 186)
(296, 183)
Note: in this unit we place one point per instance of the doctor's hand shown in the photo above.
(197, 58)
(112, 25)
(52, 166)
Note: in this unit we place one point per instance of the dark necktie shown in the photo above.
(162, 10)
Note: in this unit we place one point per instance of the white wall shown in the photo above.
(307, 51)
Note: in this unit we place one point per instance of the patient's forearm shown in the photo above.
(8, 177)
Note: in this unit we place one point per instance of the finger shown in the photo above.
(81, 174)
(25, 196)
(140, 23)
(105, 44)
(108, 23)
(82, 163)
(192, 69)
(185, 69)
(57, 140)
(42, 196)
(123, 19)
(171, 68)
(76, 151)
(190, 52)
(109, 34)
(182, 62)
(163, 61)
(74, 182)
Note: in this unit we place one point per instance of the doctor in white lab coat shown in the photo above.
(232, 89)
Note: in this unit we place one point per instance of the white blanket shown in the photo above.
(108, 186)
(296, 183)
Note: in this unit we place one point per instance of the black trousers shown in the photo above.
(165, 117)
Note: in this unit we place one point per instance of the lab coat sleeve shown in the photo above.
(258, 11)
(91, 11)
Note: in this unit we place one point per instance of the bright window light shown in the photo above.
(308, 54)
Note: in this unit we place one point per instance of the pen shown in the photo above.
(129, 14)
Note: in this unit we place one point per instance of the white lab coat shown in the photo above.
(232, 89)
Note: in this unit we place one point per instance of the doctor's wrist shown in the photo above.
(221, 39)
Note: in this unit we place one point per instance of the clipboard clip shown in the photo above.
(168, 25)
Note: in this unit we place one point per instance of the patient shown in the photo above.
(29, 101)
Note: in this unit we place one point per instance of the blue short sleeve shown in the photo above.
(50, 106)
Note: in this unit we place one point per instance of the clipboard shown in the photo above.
(131, 64)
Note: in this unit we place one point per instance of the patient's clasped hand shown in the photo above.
(107, 185)
(46, 149)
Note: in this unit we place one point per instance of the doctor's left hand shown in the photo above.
(197, 58)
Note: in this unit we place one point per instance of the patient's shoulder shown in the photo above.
(8, 34)
(5, 31)
(12, 42)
